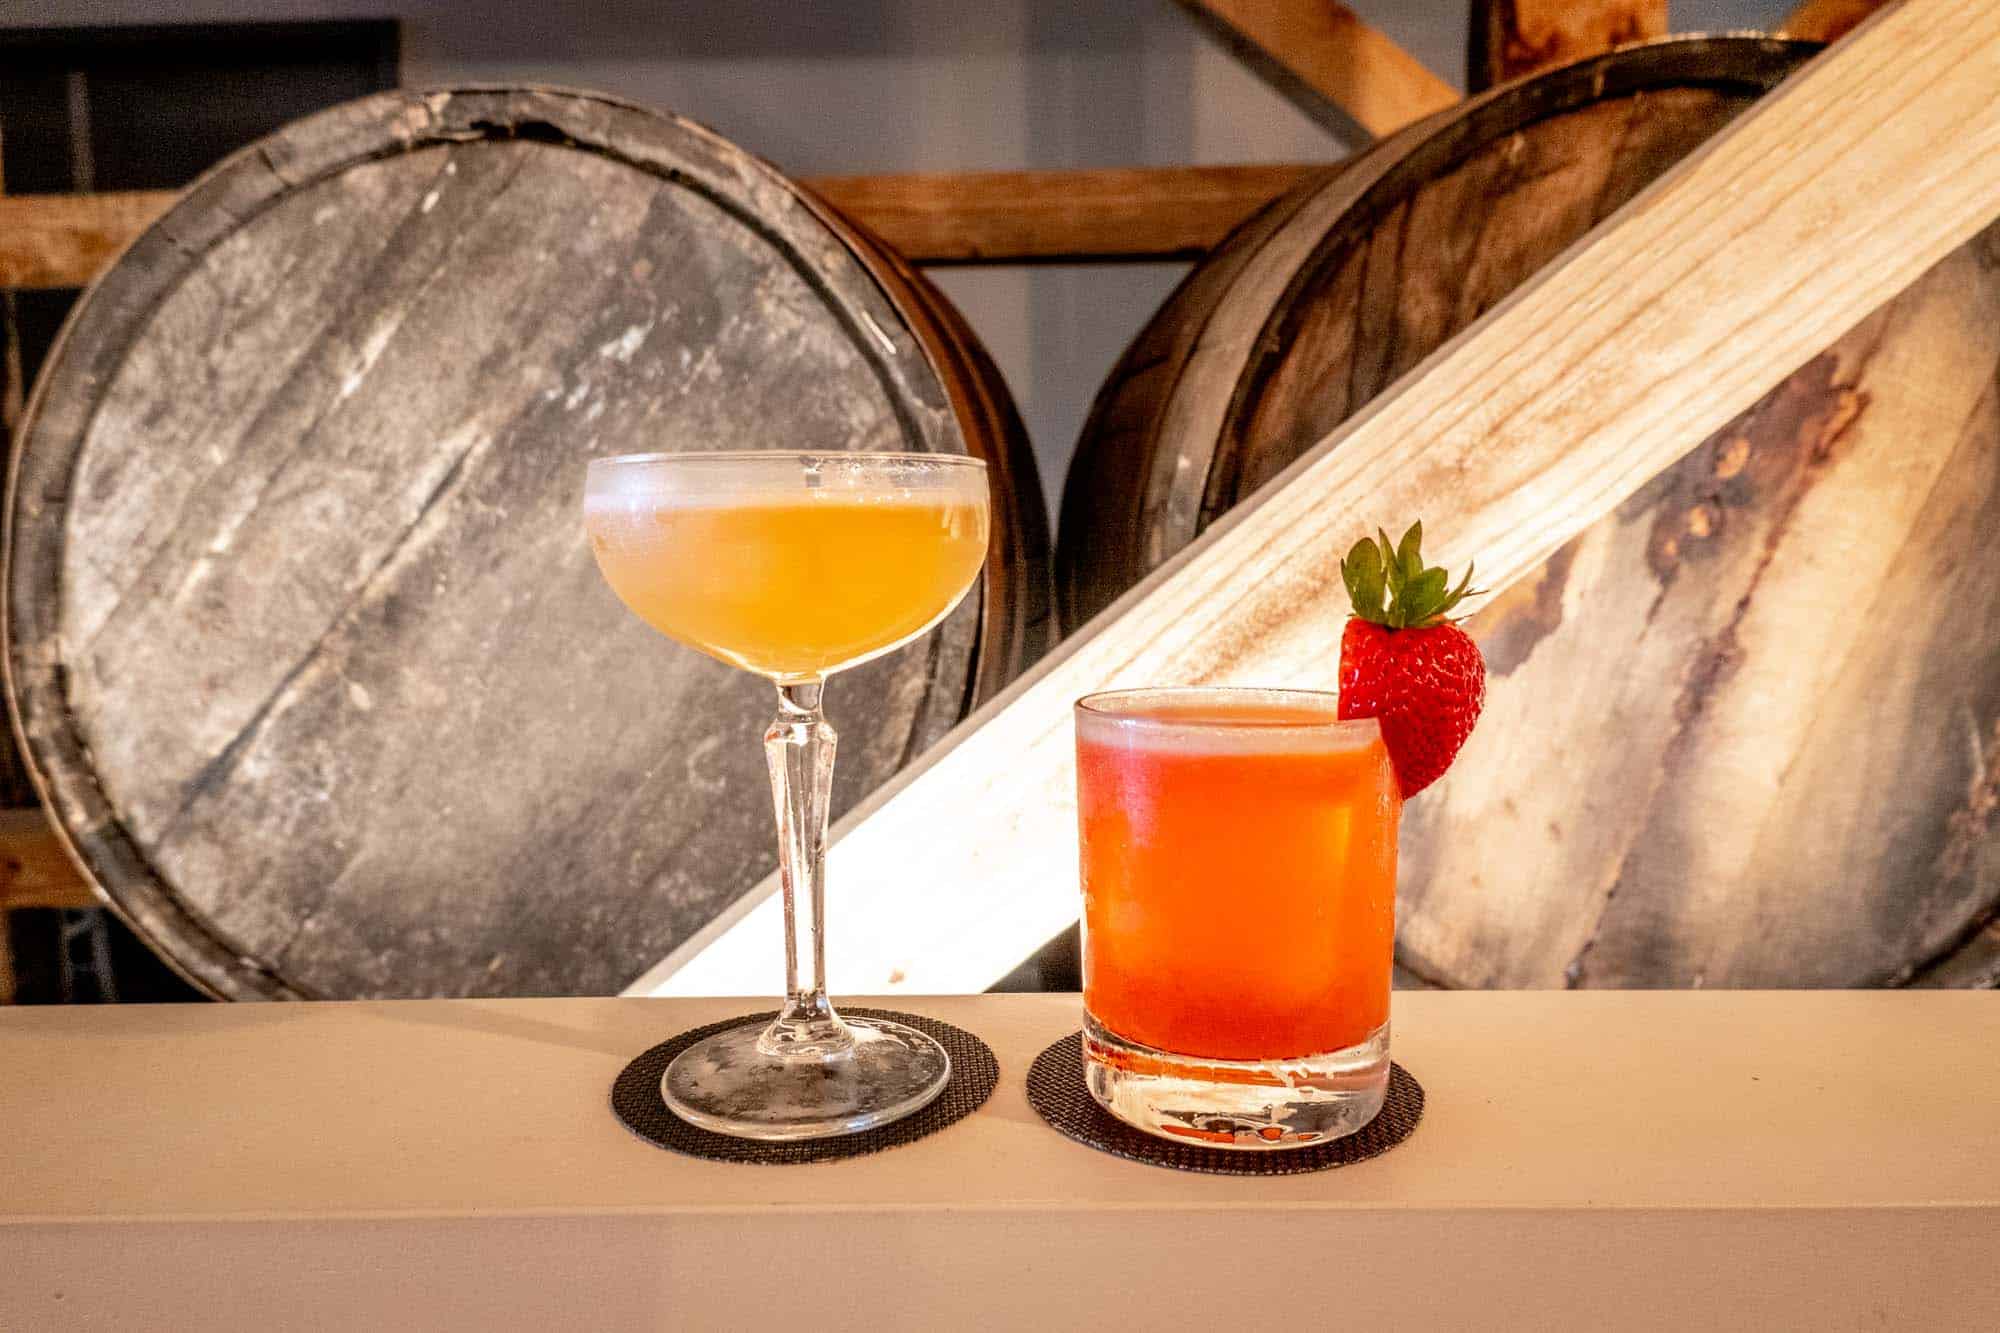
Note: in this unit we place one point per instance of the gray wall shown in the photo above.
(846, 86)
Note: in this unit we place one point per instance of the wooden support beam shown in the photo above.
(65, 240)
(1511, 38)
(35, 871)
(1828, 20)
(1334, 67)
(1652, 333)
(55, 240)
(1010, 216)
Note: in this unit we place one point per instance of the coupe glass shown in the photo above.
(794, 566)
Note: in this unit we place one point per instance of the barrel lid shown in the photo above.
(304, 641)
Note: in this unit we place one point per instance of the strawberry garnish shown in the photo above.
(1403, 662)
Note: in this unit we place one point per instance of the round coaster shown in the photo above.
(1057, 1092)
(635, 1098)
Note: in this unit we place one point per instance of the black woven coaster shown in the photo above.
(635, 1097)
(1056, 1091)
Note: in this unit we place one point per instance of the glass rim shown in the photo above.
(1128, 707)
(894, 456)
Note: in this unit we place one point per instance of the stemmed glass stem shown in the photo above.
(799, 748)
(808, 1073)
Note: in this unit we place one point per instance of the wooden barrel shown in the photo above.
(305, 644)
(1744, 732)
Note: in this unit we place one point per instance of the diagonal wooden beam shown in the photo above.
(1511, 38)
(1821, 202)
(1828, 20)
(56, 240)
(1334, 67)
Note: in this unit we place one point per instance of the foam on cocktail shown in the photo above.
(1153, 720)
(726, 478)
(637, 501)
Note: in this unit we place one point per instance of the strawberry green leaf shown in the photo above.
(1350, 574)
(1464, 583)
(1392, 567)
(1362, 572)
(1407, 552)
(1458, 594)
(1426, 595)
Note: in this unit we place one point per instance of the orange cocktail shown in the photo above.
(1239, 879)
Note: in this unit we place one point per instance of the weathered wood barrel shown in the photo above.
(1746, 731)
(304, 642)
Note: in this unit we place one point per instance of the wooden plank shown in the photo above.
(1828, 20)
(1678, 313)
(65, 240)
(1511, 38)
(1136, 213)
(35, 871)
(1128, 213)
(1333, 66)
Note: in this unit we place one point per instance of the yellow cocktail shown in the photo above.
(791, 586)
(794, 566)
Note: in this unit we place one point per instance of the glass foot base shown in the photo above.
(727, 1084)
(1254, 1105)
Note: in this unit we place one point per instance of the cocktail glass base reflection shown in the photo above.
(742, 1083)
(1256, 1104)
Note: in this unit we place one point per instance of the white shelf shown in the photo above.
(1808, 1159)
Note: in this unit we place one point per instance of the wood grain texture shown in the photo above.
(1181, 432)
(1654, 858)
(1005, 217)
(1675, 316)
(1136, 213)
(34, 869)
(1772, 776)
(1512, 38)
(314, 663)
(1333, 66)
(66, 240)
(1018, 622)
(1828, 20)
(1974, 964)
(1018, 628)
